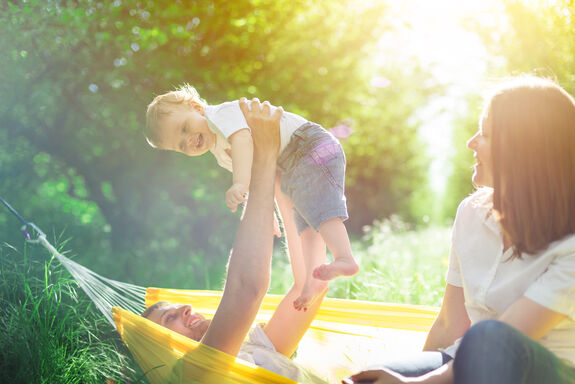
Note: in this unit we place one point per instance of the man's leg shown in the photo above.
(287, 325)
(314, 253)
(492, 352)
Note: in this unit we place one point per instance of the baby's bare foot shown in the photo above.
(343, 266)
(311, 291)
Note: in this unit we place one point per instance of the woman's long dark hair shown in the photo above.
(533, 150)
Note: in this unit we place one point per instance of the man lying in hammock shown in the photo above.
(270, 345)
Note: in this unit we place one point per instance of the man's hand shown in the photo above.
(265, 127)
(236, 195)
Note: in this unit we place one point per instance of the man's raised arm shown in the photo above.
(250, 259)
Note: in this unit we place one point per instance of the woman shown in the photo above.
(512, 259)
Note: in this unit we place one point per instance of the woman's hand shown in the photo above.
(377, 376)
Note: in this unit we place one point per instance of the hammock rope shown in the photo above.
(25, 224)
(105, 293)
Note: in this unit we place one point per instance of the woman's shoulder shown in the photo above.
(563, 247)
(475, 209)
(481, 200)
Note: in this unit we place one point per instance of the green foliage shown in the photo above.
(50, 332)
(459, 184)
(386, 158)
(77, 76)
(398, 264)
(538, 38)
(528, 37)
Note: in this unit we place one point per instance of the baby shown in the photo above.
(311, 161)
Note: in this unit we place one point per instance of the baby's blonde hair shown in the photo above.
(165, 104)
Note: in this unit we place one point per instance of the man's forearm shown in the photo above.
(259, 220)
(250, 259)
(242, 155)
(249, 266)
(257, 223)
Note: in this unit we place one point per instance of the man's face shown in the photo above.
(180, 318)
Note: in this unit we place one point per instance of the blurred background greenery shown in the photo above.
(406, 76)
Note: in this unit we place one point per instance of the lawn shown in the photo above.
(398, 265)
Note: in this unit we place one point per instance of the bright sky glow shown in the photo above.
(433, 32)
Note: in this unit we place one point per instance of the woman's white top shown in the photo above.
(491, 281)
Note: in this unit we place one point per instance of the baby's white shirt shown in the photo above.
(227, 118)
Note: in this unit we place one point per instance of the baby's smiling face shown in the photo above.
(185, 130)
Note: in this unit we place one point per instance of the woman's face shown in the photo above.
(480, 143)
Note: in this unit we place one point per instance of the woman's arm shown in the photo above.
(531, 318)
(525, 315)
(452, 321)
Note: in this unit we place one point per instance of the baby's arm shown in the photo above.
(242, 156)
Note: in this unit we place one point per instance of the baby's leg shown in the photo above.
(335, 235)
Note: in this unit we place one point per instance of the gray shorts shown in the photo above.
(313, 176)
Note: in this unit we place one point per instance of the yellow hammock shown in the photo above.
(345, 336)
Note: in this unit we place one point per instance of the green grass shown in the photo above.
(49, 331)
(397, 265)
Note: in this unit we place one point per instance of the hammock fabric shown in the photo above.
(167, 357)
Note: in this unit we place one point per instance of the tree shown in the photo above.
(534, 37)
(77, 77)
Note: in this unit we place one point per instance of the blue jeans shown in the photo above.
(313, 176)
(492, 352)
